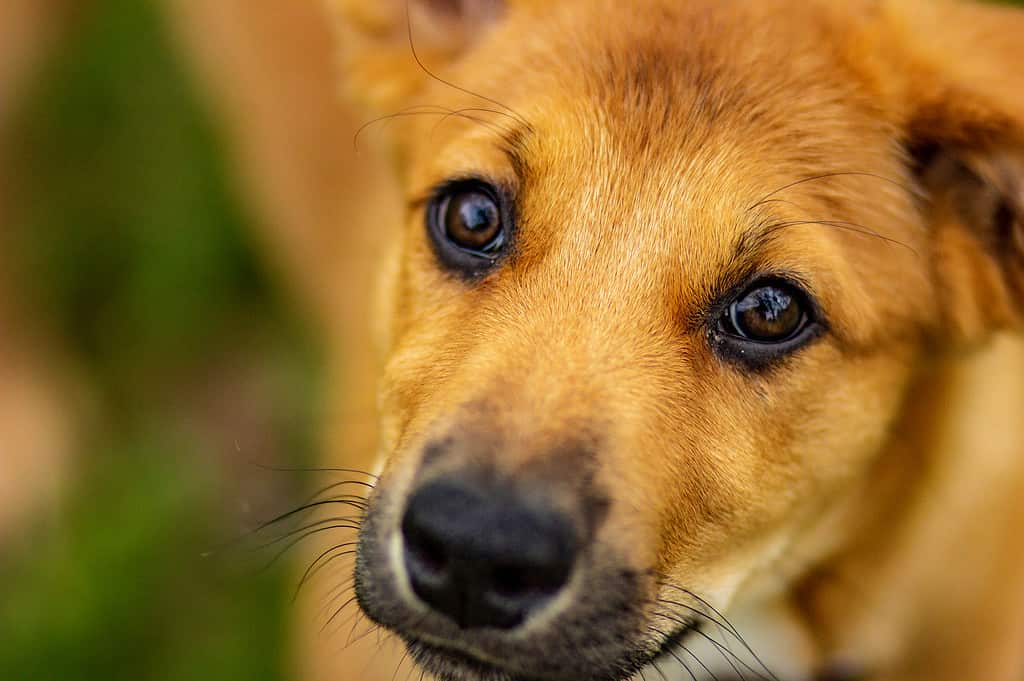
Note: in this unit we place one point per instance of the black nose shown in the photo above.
(485, 557)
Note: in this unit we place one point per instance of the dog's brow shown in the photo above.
(514, 143)
(752, 241)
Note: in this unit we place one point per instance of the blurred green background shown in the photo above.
(192, 365)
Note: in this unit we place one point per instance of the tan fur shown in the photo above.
(870, 489)
(871, 458)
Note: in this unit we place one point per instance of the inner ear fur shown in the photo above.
(959, 89)
(379, 66)
(973, 202)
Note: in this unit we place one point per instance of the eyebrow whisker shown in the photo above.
(824, 176)
(415, 55)
(841, 225)
(445, 113)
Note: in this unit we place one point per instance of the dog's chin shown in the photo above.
(449, 664)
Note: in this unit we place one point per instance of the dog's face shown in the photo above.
(667, 270)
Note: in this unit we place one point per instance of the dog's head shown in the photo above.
(667, 271)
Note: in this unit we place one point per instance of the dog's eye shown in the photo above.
(467, 224)
(767, 314)
(767, 321)
(471, 220)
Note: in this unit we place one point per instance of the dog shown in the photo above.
(694, 334)
(697, 314)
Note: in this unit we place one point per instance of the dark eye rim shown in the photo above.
(758, 354)
(466, 262)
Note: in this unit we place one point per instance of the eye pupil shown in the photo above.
(769, 314)
(472, 221)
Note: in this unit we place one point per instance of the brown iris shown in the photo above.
(472, 220)
(768, 314)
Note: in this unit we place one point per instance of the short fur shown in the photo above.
(861, 499)
(661, 152)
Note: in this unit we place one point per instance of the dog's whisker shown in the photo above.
(337, 612)
(696, 611)
(722, 628)
(405, 656)
(294, 543)
(352, 632)
(462, 114)
(728, 655)
(699, 661)
(419, 62)
(301, 509)
(723, 621)
(735, 633)
(668, 649)
(372, 628)
(336, 485)
(824, 176)
(312, 570)
(356, 520)
(684, 665)
(412, 670)
(841, 225)
(412, 114)
(343, 471)
(731, 657)
(337, 592)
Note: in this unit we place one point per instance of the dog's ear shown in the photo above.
(961, 91)
(377, 39)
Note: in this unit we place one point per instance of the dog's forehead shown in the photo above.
(655, 147)
(667, 131)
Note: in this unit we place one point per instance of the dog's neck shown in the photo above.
(950, 482)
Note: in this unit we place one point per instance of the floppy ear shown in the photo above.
(377, 53)
(963, 118)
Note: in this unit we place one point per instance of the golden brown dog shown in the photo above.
(691, 329)
(677, 332)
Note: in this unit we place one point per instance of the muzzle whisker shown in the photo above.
(313, 568)
(343, 471)
(735, 633)
(722, 628)
(405, 656)
(728, 655)
(730, 627)
(280, 554)
(365, 634)
(337, 612)
(335, 485)
(699, 661)
(668, 649)
(354, 520)
(685, 666)
(335, 594)
(302, 509)
(654, 663)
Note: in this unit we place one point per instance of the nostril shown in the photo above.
(510, 582)
(426, 556)
(429, 553)
(521, 581)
